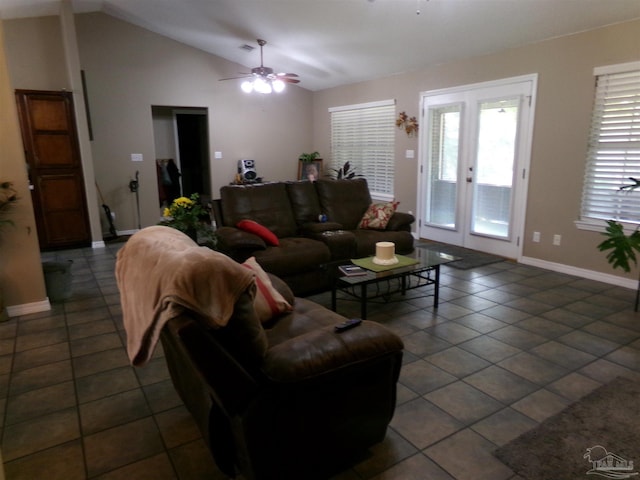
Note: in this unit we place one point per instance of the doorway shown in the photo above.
(475, 154)
(181, 138)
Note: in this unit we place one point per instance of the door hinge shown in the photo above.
(524, 173)
(529, 98)
(518, 242)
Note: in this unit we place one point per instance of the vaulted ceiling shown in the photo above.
(335, 42)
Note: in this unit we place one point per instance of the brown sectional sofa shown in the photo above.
(308, 248)
(284, 397)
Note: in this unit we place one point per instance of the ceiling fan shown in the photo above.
(262, 79)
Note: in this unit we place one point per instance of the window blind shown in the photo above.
(614, 146)
(364, 136)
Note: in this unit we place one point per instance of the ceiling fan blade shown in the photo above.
(288, 80)
(235, 78)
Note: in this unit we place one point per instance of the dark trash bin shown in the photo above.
(57, 278)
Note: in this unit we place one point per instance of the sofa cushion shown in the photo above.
(344, 201)
(294, 255)
(260, 230)
(378, 215)
(304, 202)
(265, 203)
(268, 302)
(304, 345)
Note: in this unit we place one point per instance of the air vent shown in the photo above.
(247, 48)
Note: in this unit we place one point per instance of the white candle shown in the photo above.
(385, 250)
(385, 253)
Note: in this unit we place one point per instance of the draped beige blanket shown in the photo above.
(161, 272)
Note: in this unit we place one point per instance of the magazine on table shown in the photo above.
(352, 270)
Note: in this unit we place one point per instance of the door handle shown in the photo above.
(469, 179)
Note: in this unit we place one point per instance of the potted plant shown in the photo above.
(622, 247)
(8, 197)
(190, 217)
(309, 157)
(346, 172)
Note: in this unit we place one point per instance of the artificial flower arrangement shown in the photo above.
(189, 216)
(410, 124)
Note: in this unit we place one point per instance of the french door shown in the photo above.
(475, 149)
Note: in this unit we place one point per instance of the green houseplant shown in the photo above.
(8, 197)
(309, 157)
(190, 217)
(623, 248)
(346, 172)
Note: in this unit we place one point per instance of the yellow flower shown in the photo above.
(166, 212)
(183, 202)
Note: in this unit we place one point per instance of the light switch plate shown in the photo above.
(409, 154)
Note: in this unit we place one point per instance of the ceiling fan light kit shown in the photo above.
(263, 80)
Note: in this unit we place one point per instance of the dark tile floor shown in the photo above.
(509, 346)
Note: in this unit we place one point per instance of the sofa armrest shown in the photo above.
(323, 351)
(400, 221)
(282, 288)
(231, 239)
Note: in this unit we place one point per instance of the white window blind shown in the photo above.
(364, 136)
(614, 146)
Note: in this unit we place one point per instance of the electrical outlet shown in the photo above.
(557, 239)
(136, 157)
(217, 155)
(536, 237)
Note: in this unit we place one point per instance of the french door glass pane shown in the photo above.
(497, 130)
(443, 165)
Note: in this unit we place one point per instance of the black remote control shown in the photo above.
(353, 322)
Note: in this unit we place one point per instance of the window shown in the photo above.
(614, 147)
(364, 136)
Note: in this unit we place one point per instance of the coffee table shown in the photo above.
(383, 285)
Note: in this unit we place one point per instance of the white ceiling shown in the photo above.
(335, 42)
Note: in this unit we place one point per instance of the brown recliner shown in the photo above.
(287, 399)
(303, 408)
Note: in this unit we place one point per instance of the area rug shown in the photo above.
(469, 258)
(596, 437)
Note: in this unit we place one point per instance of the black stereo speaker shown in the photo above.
(247, 170)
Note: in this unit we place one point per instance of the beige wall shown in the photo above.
(21, 277)
(563, 110)
(35, 54)
(129, 70)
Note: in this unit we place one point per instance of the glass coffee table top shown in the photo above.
(389, 282)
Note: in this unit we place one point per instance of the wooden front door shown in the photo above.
(55, 171)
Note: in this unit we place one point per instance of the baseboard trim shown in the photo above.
(581, 272)
(27, 308)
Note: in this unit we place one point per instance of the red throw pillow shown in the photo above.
(263, 232)
(378, 215)
(269, 303)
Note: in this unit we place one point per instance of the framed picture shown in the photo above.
(310, 170)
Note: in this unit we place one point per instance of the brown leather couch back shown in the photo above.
(266, 203)
(304, 202)
(344, 201)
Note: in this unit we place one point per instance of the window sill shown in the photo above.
(594, 225)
